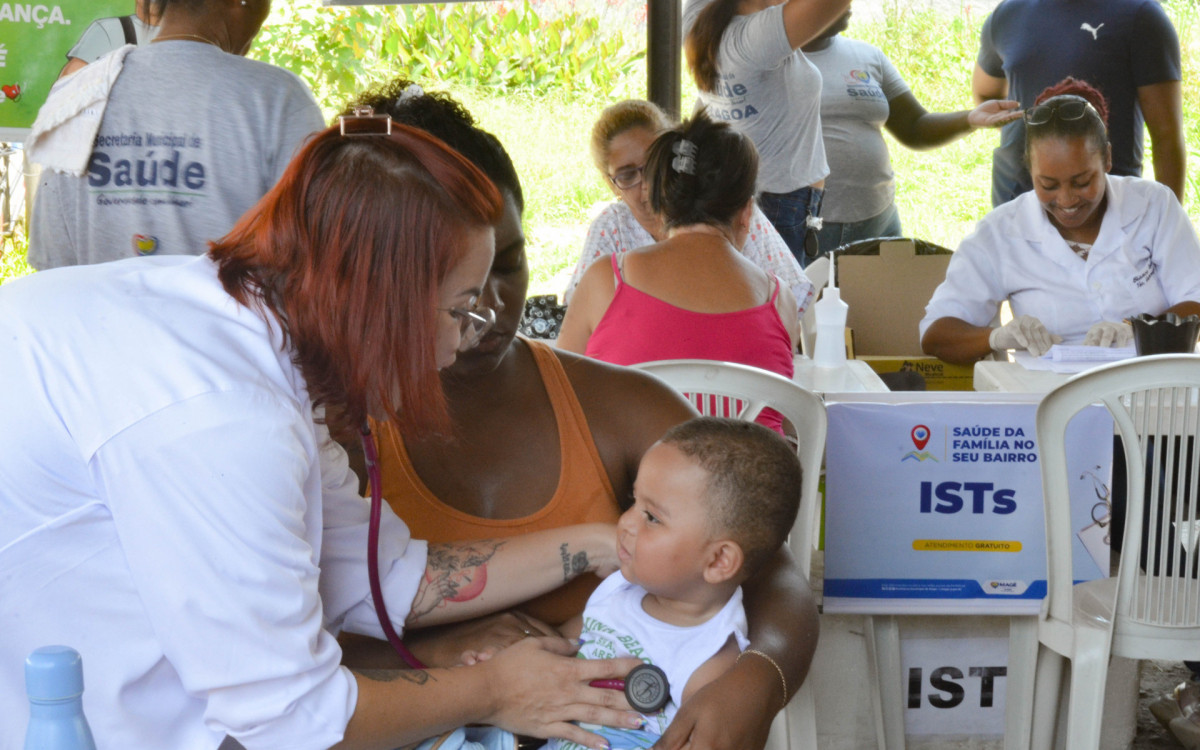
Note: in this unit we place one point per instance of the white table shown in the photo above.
(1010, 377)
(856, 376)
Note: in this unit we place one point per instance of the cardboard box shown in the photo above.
(939, 375)
(887, 294)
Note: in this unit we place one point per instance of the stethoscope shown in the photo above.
(646, 687)
(1101, 511)
(374, 477)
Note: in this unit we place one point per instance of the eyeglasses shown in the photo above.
(364, 121)
(628, 177)
(473, 323)
(1065, 107)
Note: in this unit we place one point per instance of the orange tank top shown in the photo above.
(584, 493)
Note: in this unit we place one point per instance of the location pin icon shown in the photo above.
(920, 436)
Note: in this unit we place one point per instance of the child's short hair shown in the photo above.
(753, 481)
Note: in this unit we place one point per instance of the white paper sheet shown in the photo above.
(1072, 359)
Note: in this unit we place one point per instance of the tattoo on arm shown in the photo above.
(454, 572)
(415, 676)
(574, 564)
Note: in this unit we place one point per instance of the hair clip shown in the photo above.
(364, 121)
(411, 91)
(685, 156)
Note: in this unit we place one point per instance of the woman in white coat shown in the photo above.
(1076, 257)
(172, 505)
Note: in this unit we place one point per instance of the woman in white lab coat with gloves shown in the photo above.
(1076, 256)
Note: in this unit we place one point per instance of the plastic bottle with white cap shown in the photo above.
(54, 684)
(830, 349)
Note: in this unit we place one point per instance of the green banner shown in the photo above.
(34, 41)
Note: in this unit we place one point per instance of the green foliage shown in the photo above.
(1186, 16)
(342, 51)
(13, 264)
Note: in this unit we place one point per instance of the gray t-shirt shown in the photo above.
(771, 93)
(857, 83)
(191, 138)
(106, 34)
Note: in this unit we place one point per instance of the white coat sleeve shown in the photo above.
(345, 585)
(217, 503)
(1176, 252)
(972, 289)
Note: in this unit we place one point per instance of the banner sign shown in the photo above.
(34, 41)
(954, 685)
(934, 503)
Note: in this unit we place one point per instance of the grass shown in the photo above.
(940, 193)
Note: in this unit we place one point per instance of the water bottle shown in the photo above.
(54, 684)
(830, 349)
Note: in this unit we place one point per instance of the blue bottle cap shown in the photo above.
(54, 673)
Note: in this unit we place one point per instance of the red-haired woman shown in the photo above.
(171, 507)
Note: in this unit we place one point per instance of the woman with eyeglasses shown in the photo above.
(172, 504)
(620, 139)
(1076, 257)
(543, 438)
(693, 295)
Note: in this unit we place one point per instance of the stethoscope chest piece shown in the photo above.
(646, 688)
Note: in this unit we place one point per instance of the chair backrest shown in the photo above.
(758, 389)
(818, 274)
(1155, 407)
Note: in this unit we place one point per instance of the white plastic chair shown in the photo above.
(818, 274)
(755, 389)
(1141, 615)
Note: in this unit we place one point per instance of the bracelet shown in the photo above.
(782, 679)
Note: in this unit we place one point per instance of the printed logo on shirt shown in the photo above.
(1093, 30)
(861, 85)
(147, 169)
(728, 102)
(1142, 277)
(144, 244)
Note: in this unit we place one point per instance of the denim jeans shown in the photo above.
(789, 213)
(833, 235)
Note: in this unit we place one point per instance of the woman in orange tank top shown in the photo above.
(544, 438)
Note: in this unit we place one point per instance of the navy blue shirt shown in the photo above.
(1115, 45)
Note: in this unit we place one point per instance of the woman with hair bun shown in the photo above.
(621, 138)
(1076, 257)
(693, 295)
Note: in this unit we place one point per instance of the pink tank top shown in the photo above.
(640, 328)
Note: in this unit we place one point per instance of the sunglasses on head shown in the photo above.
(1065, 107)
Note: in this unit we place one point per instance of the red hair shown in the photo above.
(347, 252)
(1075, 87)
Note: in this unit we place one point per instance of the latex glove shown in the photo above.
(1023, 332)
(994, 112)
(1108, 333)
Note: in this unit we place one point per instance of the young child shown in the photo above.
(713, 500)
